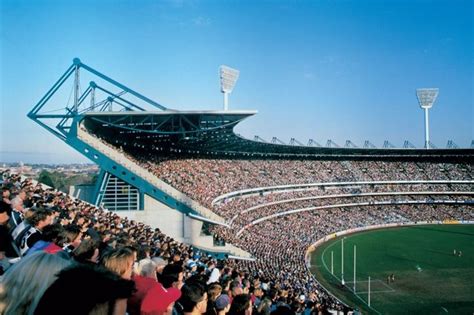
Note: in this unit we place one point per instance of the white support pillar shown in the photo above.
(226, 101)
(368, 294)
(427, 130)
(342, 262)
(332, 262)
(355, 259)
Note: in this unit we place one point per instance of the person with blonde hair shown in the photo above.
(120, 261)
(26, 281)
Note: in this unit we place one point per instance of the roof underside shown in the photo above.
(211, 133)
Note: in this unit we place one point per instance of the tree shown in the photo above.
(45, 178)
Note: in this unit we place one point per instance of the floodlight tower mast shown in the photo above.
(426, 98)
(228, 77)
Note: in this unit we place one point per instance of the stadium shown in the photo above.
(268, 209)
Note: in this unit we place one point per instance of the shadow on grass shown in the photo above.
(416, 262)
(441, 230)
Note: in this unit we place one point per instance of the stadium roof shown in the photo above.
(212, 133)
(182, 132)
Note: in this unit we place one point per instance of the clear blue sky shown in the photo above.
(313, 69)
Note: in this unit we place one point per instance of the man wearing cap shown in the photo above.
(222, 304)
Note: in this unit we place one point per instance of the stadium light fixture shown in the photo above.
(426, 98)
(229, 77)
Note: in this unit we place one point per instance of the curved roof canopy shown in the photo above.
(211, 133)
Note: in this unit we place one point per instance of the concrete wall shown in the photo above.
(179, 226)
(158, 215)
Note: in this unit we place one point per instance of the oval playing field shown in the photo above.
(428, 277)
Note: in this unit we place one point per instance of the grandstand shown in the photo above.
(188, 173)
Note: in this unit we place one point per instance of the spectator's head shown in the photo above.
(193, 298)
(73, 234)
(147, 268)
(245, 286)
(40, 218)
(222, 303)
(54, 233)
(5, 211)
(235, 288)
(258, 292)
(5, 193)
(26, 281)
(120, 261)
(98, 289)
(213, 291)
(211, 264)
(87, 252)
(22, 194)
(172, 276)
(160, 264)
(176, 257)
(273, 294)
(225, 283)
(241, 305)
(18, 201)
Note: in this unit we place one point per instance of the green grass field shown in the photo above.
(429, 279)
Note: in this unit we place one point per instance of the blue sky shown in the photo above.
(313, 69)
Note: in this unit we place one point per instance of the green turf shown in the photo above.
(429, 279)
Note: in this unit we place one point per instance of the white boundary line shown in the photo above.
(389, 288)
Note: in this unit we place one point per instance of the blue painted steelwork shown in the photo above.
(65, 125)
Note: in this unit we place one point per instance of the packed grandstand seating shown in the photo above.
(279, 276)
(81, 235)
(388, 192)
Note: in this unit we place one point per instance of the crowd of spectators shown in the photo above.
(266, 210)
(228, 207)
(205, 179)
(55, 249)
(279, 244)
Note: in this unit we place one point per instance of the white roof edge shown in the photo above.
(167, 112)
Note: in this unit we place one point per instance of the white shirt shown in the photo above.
(214, 276)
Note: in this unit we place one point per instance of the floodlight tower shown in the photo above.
(426, 98)
(229, 77)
